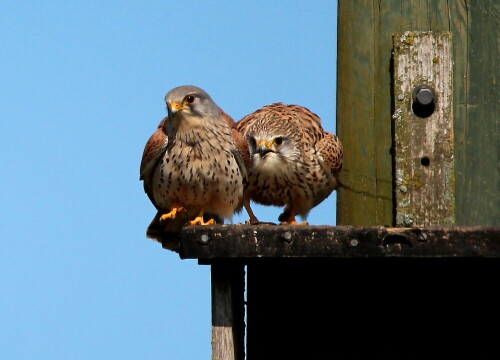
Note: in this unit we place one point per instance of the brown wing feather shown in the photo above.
(331, 150)
(153, 144)
(242, 150)
(153, 151)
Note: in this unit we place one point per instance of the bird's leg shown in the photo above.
(199, 220)
(253, 218)
(291, 219)
(173, 213)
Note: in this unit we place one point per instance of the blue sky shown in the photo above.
(81, 90)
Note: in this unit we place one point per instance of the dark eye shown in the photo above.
(278, 141)
(189, 99)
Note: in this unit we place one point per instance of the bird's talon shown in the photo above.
(172, 214)
(199, 221)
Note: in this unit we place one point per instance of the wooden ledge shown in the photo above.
(245, 242)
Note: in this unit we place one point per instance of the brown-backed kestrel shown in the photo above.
(193, 166)
(294, 162)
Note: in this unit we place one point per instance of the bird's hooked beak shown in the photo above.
(173, 108)
(264, 148)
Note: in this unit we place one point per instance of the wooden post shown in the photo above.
(227, 311)
(365, 104)
(363, 113)
(423, 129)
(475, 29)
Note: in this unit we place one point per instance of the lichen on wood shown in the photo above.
(423, 142)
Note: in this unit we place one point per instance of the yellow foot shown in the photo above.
(293, 222)
(199, 221)
(173, 213)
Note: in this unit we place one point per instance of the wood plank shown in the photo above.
(439, 15)
(366, 197)
(240, 242)
(459, 25)
(423, 134)
(478, 176)
(382, 106)
(414, 15)
(227, 312)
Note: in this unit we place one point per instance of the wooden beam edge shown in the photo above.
(241, 242)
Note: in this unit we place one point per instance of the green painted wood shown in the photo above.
(365, 104)
(362, 109)
(477, 138)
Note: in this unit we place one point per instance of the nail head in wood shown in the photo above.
(287, 236)
(423, 95)
(204, 239)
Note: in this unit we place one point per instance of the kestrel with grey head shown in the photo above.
(294, 162)
(193, 166)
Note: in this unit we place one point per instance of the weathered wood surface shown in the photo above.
(365, 104)
(364, 112)
(267, 241)
(476, 30)
(423, 131)
(227, 312)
